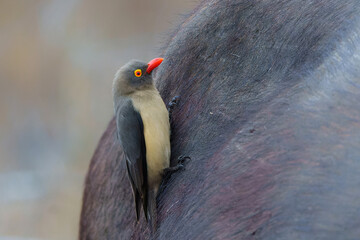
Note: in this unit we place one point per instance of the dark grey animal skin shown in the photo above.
(270, 116)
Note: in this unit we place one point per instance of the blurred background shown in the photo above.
(57, 62)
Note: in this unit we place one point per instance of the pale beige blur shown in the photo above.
(57, 60)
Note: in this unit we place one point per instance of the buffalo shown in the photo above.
(269, 113)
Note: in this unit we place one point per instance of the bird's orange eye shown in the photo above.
(138, 73)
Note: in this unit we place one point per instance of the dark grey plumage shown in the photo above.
(131, 137)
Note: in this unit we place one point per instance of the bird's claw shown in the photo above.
(182, 159)
(173, 102)
(176, 168)
(171, 105)
(180, 165)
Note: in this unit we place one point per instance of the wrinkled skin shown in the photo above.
(269, 114)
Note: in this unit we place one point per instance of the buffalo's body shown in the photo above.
(269, 114)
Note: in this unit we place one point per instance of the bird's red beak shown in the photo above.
(153, 64)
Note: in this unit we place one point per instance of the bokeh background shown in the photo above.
(57, 62)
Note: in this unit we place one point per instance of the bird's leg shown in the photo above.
(168, 171)
(179, 166)
(172, 104)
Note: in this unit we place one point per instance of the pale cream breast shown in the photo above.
(155, 118)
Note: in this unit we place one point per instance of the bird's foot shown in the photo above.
(180, 165)
(168, 171)
(172, 104)
(182, 159)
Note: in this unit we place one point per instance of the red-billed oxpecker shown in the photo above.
(143, 130)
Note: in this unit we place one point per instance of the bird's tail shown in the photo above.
(151, 210)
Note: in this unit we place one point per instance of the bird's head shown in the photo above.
(134, 76)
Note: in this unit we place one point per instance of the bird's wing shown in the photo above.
(130, 130)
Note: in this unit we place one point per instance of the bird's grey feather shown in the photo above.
(130, 131)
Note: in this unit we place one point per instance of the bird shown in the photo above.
(143, 130)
